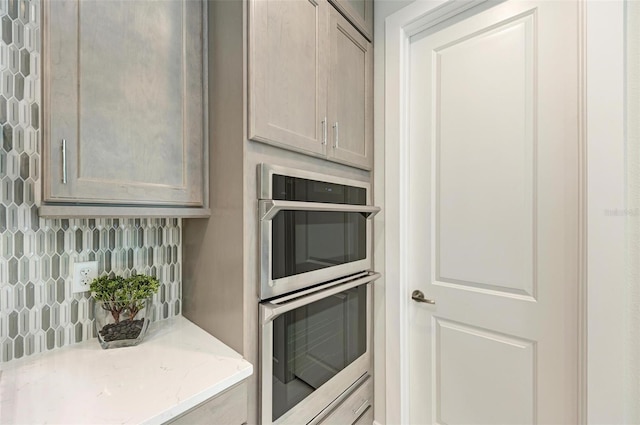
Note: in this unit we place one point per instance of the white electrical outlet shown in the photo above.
(83, 274)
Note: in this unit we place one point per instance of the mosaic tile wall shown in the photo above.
(38, 312)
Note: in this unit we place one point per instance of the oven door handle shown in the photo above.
(269, 311)
(270, 207)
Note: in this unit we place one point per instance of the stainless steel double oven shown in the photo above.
(315, 310)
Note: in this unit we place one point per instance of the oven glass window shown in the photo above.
(313, 343)
(304, 241)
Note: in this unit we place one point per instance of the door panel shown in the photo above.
(350, 107)
(485, 231)
(494, 214)
(128, 103)
(468, 359)
(288, 73)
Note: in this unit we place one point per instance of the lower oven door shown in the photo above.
(313, 348)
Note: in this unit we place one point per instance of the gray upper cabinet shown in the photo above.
(359, 12)
(350, 88)
(287, 91)
(310, 81)
(125, 104)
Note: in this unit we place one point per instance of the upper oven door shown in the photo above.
(305, 243)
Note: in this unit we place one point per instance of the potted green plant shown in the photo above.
(121, 306)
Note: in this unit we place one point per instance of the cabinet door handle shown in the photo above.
(64, 161)
(324, 131)
(336, 134)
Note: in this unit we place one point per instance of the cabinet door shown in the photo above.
(359, 12)
(124, 91)
(230, 408)
(350, 95)
(288, 73)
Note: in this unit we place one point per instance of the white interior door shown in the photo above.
(493, 129)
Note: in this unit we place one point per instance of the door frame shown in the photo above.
(601, 131)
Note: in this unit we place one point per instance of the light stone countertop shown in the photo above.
(176, 367)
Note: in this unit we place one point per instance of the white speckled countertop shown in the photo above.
(175, 368)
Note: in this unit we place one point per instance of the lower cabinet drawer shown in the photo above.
(355, 408)
(228, 408)
(366, 418)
